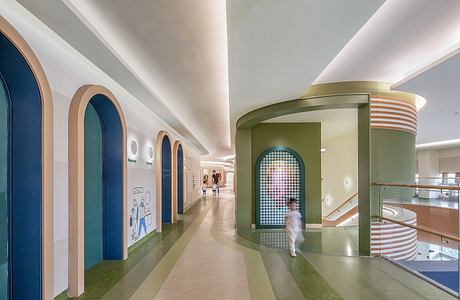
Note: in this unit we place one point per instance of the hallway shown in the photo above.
(202, 257)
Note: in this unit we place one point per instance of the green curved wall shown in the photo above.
(383, 155)
(393, 160)
(305, 139)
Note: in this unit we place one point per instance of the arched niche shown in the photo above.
(102, 105)
(29, 169)
(178, 180)
(280, 175)
(164, 173)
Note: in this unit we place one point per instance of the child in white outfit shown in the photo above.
(203, 188)
(293, 225)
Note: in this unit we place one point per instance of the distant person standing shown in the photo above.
(215, 180)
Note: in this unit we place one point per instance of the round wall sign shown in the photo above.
(133, 147)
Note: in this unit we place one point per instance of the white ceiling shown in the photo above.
(201, 64)
(440, 119)
(334, 122)
(172, 55)
(278, 48)
(401, 38)
(179, 49)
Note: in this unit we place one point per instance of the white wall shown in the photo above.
(339, 168)
(67, 70)
(448, 161)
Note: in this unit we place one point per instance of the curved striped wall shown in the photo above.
(392, 240)
(396, 114)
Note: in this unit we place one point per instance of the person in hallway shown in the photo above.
(215, 181)
(203, 188)
(293, 225)
(214, 189)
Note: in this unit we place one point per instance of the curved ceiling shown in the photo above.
(171, 55)
(278, 48)
(401, 38)
(439, 120)
(201, 64)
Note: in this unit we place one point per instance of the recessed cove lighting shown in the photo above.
(419, 102)
(439, 144)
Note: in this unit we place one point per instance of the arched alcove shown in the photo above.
(26, 171)
(166, 180)
(280, 175)
(97, 182)
(164, 173)
(178, 180)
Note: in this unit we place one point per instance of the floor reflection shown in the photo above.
(337, 241)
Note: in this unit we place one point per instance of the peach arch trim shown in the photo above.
(47, 156)
(158, 183)
(76, 182)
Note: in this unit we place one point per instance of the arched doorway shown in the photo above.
(179, 178)
(279, 176)
(166, 180)
(26, 177)
(97, 183)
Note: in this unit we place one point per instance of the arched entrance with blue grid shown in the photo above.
(280, 175)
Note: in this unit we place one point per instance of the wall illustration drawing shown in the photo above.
(141, 188)
(141, 216)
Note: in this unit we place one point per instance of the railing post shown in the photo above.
(458, 244)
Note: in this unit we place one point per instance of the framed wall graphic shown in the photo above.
(279, 176)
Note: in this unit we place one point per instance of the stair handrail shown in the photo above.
(338, 208)
(419, 186)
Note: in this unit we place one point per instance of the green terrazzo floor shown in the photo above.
(327, 266)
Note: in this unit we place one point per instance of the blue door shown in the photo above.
(103, 171)
(20, 177)
(3, 193)
(180, 180)
(166, 179)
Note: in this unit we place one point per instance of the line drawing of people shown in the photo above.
(142, 223)
(135, 216)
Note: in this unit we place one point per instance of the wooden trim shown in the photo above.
(378, 119)
(76, 183)
(421, 228)
(47, 155)
(343, 203)
(376, 97)
(394, 102)
(391, 117)
(420, 186)
(391, 108)
(394, 113)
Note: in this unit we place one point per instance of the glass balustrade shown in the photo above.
(417, 228)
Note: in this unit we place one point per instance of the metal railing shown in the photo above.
(341, 205)
(394, 195)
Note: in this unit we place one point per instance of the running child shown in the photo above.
(293, 225)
